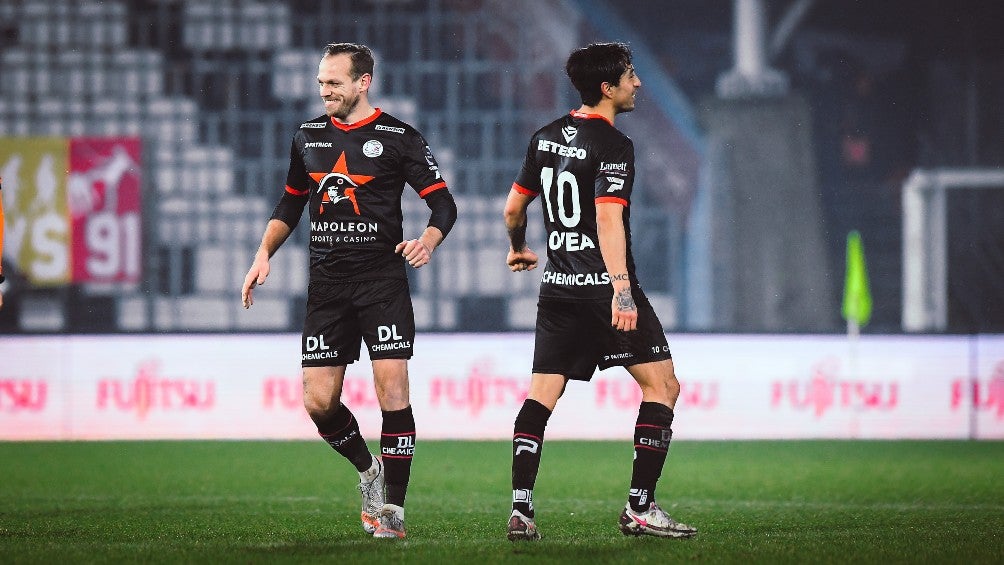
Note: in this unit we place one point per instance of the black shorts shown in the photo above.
(340, 316)
(573, 338)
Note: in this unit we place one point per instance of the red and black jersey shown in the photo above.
(575, 162)
(352, 178)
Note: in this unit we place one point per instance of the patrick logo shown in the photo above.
(339, 185)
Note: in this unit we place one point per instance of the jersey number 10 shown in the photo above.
(566, 181)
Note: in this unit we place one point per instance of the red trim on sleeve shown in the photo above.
(294, 191)
(431, 188)
(611, 200)
(359, 124)
(523, 190)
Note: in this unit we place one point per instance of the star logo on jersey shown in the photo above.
(339, 184)
(568, 132)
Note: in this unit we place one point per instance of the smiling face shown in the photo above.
(622, 94)
(339, 91)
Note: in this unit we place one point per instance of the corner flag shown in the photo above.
(857, 306)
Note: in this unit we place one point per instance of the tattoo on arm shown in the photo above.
(517, 237)
(620, 277)
(625, 302)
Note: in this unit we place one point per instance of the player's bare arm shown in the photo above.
(613, 247)
(276, 232)
(520, 256)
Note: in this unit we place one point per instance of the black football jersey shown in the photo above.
(352, 178)
(575, 162)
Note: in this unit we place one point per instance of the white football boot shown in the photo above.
(371, 488)
(653, 522)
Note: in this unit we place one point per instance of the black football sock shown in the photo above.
(527, 443)
(652, 434)
(397, 444)
(341, 431)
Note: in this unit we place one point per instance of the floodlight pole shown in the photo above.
(751, 75)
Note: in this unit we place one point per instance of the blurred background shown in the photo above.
(143, 144)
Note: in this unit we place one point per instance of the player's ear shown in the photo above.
(365, 80)
(607, 90)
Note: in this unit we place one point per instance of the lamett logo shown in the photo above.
(824, 392)
(23, 395)
(149, 391)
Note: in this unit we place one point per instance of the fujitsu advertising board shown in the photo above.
(470, 386)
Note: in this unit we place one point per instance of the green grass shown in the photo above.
(275, 502)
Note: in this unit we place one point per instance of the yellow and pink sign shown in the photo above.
(72, 208)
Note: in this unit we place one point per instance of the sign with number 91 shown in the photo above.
(103, 190)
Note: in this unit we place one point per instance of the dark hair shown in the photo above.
(362, 57)
(590, 66)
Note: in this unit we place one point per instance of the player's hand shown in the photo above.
(256, 276)
(524, 260)
(624, 311)
(414, 251)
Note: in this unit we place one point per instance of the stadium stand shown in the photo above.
(215, 90)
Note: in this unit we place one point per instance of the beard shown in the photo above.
(626, 107)
(341, 111)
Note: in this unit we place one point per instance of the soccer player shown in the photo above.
(349, 167)
(591, 310)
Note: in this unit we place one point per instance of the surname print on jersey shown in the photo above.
(573, 163)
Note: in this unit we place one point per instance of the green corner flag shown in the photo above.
(857, 305)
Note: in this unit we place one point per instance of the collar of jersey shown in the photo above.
(585, 116)
(359, 124)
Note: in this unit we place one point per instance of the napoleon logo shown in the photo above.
(339, 185)
(615, 184)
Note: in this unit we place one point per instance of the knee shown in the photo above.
(672, 389)
(393, 398)
(317, 408)
(664, 388)
(317, 404)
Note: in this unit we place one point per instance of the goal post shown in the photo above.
(925, 241)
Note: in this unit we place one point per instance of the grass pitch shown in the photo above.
(296, 502)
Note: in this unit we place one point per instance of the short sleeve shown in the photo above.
(296, 176)
(528, 179)
(614, 178)
(421, 170)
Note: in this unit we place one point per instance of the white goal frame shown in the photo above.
(925, 237)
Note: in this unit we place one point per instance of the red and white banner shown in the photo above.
(472, 385)
(72, 208)
(104, 195)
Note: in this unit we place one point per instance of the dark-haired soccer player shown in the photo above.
(591, 311)
(349, 167)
